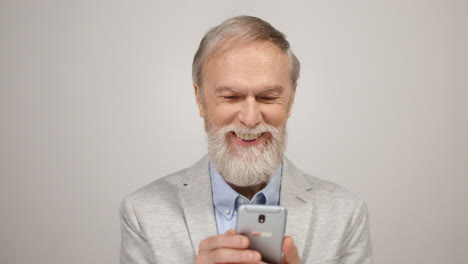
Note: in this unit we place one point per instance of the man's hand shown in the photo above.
(232, 248)
(227, 248)
(290, 255)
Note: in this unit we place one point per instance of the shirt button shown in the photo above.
(227, 211)
(240, 200)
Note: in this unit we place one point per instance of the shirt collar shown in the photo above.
(225, 199)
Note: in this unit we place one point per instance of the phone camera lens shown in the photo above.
(261, 219)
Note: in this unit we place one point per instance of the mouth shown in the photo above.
(247, 137)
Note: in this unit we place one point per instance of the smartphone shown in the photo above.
(264, 225)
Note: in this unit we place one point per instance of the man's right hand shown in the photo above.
(227, 248)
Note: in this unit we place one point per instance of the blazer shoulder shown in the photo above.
(167, 187)
(335, 196)
(321, 188)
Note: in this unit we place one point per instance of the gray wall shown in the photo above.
(96, 101)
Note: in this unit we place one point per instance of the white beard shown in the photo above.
(245, 165)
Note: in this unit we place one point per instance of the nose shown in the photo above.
(250, 114)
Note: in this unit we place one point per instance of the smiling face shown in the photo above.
(247, 87)
(247, 96)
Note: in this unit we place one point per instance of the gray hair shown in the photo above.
(236, 32)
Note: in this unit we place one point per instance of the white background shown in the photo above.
(96, 101)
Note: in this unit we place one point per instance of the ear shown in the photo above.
(291, 100)
(199, 100)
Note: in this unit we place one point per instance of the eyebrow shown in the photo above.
(231, 89)
(225, 89)
(278, 88)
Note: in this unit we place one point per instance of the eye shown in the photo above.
(267, 98)
(231, 97)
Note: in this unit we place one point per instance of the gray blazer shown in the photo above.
(165, 221)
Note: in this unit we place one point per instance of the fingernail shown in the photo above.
(243, 242)
(256, 256)
(250, 255)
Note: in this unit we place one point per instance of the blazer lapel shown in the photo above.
(296, 196)
(198, 203)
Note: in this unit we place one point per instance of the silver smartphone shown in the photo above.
(264, 225)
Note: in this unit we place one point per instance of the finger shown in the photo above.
(228, 240)
(230, 232)
(290, 254)
(227, 255)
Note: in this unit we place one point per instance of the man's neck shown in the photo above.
(248, 191)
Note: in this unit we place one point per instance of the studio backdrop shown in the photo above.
(96, 100)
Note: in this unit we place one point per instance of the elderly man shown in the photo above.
(245, 78)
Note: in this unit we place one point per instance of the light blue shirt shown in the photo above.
(226, 200)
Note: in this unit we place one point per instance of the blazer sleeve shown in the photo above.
(356, 247)
(134, 249)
